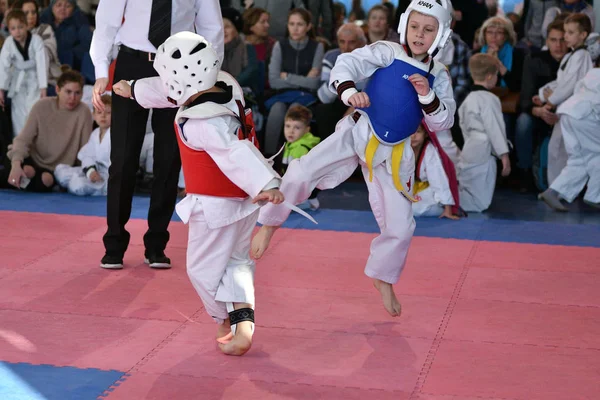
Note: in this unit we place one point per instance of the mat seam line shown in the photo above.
(422, 377)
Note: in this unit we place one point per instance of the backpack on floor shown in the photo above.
(540, 165)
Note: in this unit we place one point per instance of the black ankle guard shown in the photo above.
(241, 315)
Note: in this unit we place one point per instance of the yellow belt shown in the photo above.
(397, 152)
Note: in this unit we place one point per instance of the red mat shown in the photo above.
(480, 320)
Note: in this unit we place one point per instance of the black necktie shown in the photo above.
(160, 22)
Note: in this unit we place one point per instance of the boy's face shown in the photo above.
(556, 44)
(294, 130)
(421, 32)
(17, 29)
(102, 118)
(574, 37)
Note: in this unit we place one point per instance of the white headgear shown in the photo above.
(187, 64)
(434, 9)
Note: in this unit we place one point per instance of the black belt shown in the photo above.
(138, 53)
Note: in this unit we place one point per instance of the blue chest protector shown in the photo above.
(395, 111)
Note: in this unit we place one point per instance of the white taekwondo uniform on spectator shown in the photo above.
(484, 131)
(94, 153)
(437, 194)
(580, 126)
(23, 80)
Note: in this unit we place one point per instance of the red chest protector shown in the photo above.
(202, 175)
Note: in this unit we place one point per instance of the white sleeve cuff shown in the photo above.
(427, 99)
(273, 184)
(90, 171)
(346, 95)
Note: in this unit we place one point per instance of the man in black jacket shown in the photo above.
(535, 121)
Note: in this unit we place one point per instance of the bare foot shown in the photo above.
(241, 341)
(390, 302)
(261, 240)
(224, 334)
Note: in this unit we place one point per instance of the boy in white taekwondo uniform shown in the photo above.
(404, 86)
(580, 125)
(221, 171)
(484, 131)
(431, 182)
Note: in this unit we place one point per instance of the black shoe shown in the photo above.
(111, 262)
(157, 260)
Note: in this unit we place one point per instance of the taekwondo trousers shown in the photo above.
(128, 128)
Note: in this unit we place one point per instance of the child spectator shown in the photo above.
(432, 184)
(23, 70)
(299, 141)
(580, 124)
(91, 178)
(573, 66)
(484, 132)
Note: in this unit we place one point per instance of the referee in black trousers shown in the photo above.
(135, 29)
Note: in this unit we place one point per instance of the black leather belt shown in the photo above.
(138, 53)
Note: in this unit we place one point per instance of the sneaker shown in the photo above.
(314, 203)
(157, 260)
(111, 262)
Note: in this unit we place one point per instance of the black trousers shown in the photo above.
(128, 128)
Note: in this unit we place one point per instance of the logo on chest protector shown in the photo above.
(425, 4)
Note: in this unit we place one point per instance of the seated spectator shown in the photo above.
(256, 31)
(499, 38)
(91, 178)
(378, 26)
(484, 135)
(534, 121)
(73, 35)
(349, 37)
(46, 32)
(56, 129)
(432, 184)
(23, 72)
(294, 72)
(533, 20)
(240, 58)
(279, 12)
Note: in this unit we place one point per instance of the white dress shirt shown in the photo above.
(200, 16)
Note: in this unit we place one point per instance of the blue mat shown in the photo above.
(475, 227)
(46, 382)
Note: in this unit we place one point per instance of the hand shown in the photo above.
(548, 92)
(546, 114)
(359, 100)
(448, 213)
(123, 89)
(492, 51)
(16, 173)
(420, 83)
(283, 75)
(313, 73)
(95, 177)
(99, 88)
(505, 165)
(272, 195)
(43, 93)
(501, 68)
(537, 101)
